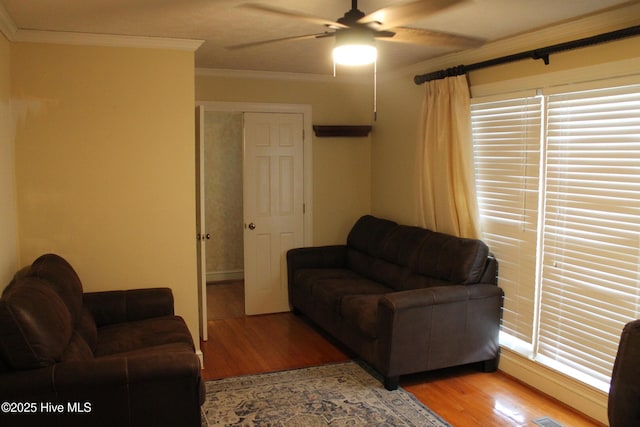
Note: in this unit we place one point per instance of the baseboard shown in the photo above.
(220, 276)
(585, 399)
(201, 357)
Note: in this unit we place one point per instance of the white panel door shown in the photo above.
(273, 206)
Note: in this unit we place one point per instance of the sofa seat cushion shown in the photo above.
(160, 349)
(307, 279)
(132, 336)
(361, 311)
(330, 292)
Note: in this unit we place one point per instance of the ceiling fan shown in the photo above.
(356, 28)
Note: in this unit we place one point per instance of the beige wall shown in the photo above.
(394, 148)
(8, 220)
(341, 166)
(105, 165)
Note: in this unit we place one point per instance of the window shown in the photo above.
(558, 180)
(507, 150)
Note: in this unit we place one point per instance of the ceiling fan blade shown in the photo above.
(282, 39)
(433, 38)
(406, 13)
(292, 14)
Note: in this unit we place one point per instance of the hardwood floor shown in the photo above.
(464, 396)
(225, 299)
(267, 343)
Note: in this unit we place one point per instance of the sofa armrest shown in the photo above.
(402, 300)
(128, 305)
(161, 388)
(444, 325)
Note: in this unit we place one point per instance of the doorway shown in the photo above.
(223, 206)
(226, 224)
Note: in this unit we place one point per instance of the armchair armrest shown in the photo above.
(624, 393)
(123, 306)
(142, 389)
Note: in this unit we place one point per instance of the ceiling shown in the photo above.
(221, 23)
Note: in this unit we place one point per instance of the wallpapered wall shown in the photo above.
(223, 194)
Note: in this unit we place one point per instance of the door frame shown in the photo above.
(307, 151)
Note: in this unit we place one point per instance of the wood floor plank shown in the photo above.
(225, 299)
(266, 343)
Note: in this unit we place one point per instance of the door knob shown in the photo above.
(207, 236)
(252, 226)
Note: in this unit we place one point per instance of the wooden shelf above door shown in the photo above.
(341, 130)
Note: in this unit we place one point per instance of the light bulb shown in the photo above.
(355, 54)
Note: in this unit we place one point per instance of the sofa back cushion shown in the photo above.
(364, 248)
(397, 255)
(452, 259)
(35, 324)
(369, 233)
(63, 279)
(407, 257)
(402, 244)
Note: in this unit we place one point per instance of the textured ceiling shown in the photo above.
(221, 23)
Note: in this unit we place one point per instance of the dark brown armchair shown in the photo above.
(624, 396)
(69, 358)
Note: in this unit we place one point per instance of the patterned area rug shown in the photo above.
(342, 394)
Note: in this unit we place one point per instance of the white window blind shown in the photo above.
(591, 232)
(507, 151)
(574, 273)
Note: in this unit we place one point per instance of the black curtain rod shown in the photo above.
(542, 53)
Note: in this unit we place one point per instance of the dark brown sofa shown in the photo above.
(69, 358)
(403, 298)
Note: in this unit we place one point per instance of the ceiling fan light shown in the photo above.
(355, 47)
(355, 54)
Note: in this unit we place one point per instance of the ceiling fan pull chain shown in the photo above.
(375, 90)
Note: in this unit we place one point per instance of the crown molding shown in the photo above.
(278, 75)
(15, 34)
(108, 40)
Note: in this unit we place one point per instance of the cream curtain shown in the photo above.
(446, 198)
